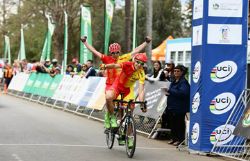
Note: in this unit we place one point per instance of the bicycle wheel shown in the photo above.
(130, 136)
(110, 138)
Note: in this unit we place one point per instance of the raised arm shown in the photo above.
(110, 66)
(91, 48)
(142, 46)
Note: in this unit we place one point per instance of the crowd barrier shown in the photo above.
(85, 96)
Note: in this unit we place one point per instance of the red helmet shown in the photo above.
(141, 57)
(115, 47)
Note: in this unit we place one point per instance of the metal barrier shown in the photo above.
(144, 125)
(239, 147)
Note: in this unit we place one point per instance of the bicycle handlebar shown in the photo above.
(144, 103)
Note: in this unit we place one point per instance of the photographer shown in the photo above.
(168, 72)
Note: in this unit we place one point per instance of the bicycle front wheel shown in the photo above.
(110, 138)
(130, 136)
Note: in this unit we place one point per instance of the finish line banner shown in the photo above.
(219, 52)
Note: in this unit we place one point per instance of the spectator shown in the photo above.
(70, 70)
(83, 71)
(156, 72)
(90, 71)
(168, 72)
(40, 67)
(178, 104)
(101, 73)
(16, 67)
(55, 68)
(76, 66)
(47, 64)
(23, 65)
(8, 74)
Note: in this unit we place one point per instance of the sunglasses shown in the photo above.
(139, 62)
(113, 53)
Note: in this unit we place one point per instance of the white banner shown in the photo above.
(98, 99)
(81, 91)
(18, 81)
(197, 35)
(198, 9)
(225, 8)
(224, 34)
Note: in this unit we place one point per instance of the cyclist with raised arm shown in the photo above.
(112, 73)
(130, 73)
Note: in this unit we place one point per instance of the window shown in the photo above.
(180, 56)
(188, 56)
(172, 55)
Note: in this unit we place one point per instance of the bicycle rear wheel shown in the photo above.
(110, 138)
(130, 136)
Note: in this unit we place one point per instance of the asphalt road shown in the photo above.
(33, 132)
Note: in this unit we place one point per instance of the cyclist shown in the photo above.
(130, 73)
(115, 57)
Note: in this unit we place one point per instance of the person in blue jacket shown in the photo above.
(178, 104)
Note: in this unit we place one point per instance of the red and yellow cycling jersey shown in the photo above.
(125, 82)
(111, 74)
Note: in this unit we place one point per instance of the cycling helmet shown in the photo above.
(115, 47)
(141, 57)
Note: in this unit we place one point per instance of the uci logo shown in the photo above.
(196, 72)
(195, 133)
(222, 134)
(222, 103)
(223, 71)
(196, 102)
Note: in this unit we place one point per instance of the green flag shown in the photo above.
(7, 55)
(85, 31)
(134, 24)
(109, 10)
(48, 41)
(51, 28)
(44, 51)
(65, 51)
(21, 54)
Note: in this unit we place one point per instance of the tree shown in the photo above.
(187, 19)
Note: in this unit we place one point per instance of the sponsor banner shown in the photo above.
(156, 100)
(89, 90)
(198, 9)
(36, 88)
(224, 34)
(98, 100)
(225, 8)
(44, 88)
(77, 89)
(18, 82)
(243, 126)
(53, 85)
(197, 35)
(59, 93)
(218, 73)
(29, 84)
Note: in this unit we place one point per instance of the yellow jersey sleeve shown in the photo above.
(142, 76)
(124, 58)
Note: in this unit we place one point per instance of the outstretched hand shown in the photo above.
(83, 38)
(148, 39)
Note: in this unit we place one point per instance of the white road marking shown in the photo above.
(82, 145)
(16, 157)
